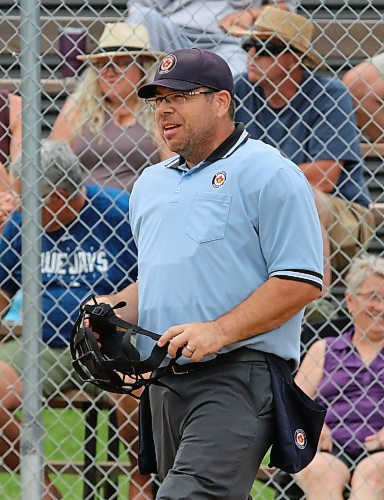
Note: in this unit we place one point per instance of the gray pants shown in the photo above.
(210, 441)
(167, 36)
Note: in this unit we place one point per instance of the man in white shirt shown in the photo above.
(179, 24)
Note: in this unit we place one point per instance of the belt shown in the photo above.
(236, 356)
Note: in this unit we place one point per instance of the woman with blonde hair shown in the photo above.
(104, 121)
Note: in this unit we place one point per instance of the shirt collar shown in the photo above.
(225, 149)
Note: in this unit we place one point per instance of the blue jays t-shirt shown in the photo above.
(94, 254)
(317, 124)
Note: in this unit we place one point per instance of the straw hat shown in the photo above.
(293, 29)
(122, 39)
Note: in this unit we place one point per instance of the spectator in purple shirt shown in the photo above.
(346, 374)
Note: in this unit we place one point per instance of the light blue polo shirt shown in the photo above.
(209, 236)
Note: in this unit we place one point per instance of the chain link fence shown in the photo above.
(68, 432)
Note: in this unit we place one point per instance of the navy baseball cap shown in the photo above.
(188, 69)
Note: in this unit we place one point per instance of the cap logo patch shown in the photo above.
(167, 64)
(218, 179)
(300, 439)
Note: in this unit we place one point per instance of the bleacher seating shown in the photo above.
(347, 32)
(341, 9)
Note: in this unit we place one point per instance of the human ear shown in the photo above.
(224, 100)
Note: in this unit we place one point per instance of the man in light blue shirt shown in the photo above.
(215, 232)
(229, 253)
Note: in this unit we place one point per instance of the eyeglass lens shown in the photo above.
(175, 98)
(371, 296)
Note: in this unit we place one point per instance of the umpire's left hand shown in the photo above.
(196, 339)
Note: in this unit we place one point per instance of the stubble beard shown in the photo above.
(197, 143)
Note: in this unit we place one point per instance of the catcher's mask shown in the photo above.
(109, 366)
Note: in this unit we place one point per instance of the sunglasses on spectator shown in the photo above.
(264, 49)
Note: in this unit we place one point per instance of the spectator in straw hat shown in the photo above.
(310, 119)
(104, 122)
(366, 84)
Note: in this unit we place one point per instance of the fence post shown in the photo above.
(31, 434)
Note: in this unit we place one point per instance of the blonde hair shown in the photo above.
(92, 107)
(361, 268)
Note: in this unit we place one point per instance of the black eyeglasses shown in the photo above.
(264, 49)
(174, 99)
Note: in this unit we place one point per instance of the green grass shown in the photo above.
(261, 491)
(64, 440)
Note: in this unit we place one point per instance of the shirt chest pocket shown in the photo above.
(208, 216)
